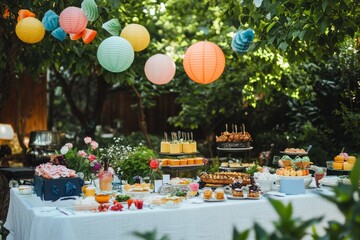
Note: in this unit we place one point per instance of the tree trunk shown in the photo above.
(142, 117)
(90, 117)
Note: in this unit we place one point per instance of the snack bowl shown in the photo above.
(25, 190)
(102, 198)
(307, 179)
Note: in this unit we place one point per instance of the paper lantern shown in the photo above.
(204, 62)
(137, 35)
(24, 13)
(50, 21)
(73, 20)
(88, 35)
(30, 30)
(242, 40)
(59, 34)
(160, 69)
(115, 54)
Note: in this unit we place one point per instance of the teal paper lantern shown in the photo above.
(115, 54)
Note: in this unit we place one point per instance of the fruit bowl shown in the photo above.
(102, 198)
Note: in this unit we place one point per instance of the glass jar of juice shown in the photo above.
(105, 179)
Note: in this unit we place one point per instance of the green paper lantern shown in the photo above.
(115, 54)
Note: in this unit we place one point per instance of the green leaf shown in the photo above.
(322, 26)
(355, 175)
(283, 46)
(270, 26)
(347, 2)
(240, 235)
(325, 3)
(260, 232)
(302, 34)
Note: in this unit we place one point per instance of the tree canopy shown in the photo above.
(303, 54)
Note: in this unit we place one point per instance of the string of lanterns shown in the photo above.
(204, 61)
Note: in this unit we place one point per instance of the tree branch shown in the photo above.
(142, 117)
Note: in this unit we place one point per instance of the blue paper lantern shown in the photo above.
(59, 34)
(115, 54)
(242, 40)
(50, 21)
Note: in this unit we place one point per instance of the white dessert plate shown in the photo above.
(236, 198)
(330, 181)
(294, 153)
(243, 198)
(215, 200)
(171, 206)
(254, 198)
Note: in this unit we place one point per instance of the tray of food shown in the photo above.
(294, 151)
(224, 178)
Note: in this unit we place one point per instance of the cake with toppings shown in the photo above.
(237, 188)
(254, 190)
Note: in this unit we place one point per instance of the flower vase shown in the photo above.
(152, 182)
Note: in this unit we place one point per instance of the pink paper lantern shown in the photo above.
(160, 69)
(73, 20)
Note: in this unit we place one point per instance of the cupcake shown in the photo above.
(286, 161)
(208, 193)
(220, 194)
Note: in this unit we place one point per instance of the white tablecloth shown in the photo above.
(31, 219)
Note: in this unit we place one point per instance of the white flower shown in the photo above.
(64, 149)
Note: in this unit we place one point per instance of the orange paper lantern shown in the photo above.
(73, 20)
(30, 30)
(24, 13)
(137, 35)
(204, 62)
(160, 69)
(88, 35)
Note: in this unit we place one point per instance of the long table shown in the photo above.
(31, 219)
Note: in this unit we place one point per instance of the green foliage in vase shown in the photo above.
(136, 163)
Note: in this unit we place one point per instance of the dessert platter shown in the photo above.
(224, 178)
(238, 188)
(294, 151)
(181, 143)
(137, 190)
(342, 162)
(171, 202)
(214, 196)
(233, 166)
(234, 140)
(183, 162)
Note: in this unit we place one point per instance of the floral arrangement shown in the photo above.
(115, 153)
(154, 170)
(51, 171)
(82, 161)
(128, 161)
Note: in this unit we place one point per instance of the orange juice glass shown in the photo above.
(90, 191)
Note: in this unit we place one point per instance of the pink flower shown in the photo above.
(194, 187)
(111, 170)
(82, 153)
(154, 164)
(69, 145)
(91, 157)
(87, 140)
(94, 145)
